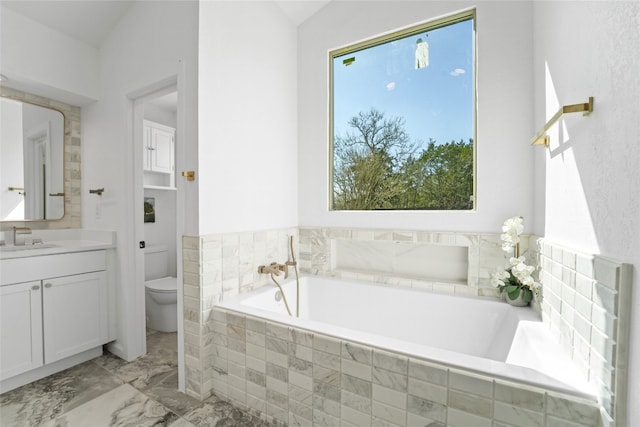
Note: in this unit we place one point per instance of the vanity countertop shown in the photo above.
(60, 243)
(56, 247)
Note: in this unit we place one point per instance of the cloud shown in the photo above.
(391, 86)
(457, 72)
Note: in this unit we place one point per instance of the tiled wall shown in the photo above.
(295, 377)
(72, 177)
(223, 265)
(587, 306)
(583, 301)
(220, 266)
(485, 255)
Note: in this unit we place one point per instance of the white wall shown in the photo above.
(160, 115)
(591, 198)
(247, 115)
(504, 81)
(144, 48)
(40, 60)
(163, 230)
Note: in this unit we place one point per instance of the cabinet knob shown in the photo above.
(47, 285)
(35, 287)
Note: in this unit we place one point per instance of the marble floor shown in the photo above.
(107, 391)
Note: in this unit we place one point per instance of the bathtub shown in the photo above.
(482, 337)
(477, 334)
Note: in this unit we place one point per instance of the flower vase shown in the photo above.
(518, 302)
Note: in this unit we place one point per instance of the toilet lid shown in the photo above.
(166, 284)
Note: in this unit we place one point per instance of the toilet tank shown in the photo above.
(155, 262)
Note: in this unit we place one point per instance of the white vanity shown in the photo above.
(56, 304)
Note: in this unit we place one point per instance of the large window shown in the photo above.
(402, 119)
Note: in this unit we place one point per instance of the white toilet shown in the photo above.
(161, 295)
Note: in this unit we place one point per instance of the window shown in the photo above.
(402, 119)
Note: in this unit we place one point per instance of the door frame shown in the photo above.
(135, 113)
(37, 152)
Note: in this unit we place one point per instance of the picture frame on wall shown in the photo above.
(149, 209)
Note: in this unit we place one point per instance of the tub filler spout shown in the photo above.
(275, 269)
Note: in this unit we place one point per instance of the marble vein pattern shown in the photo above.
(108, 391)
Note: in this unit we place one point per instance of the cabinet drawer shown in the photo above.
(18, 270)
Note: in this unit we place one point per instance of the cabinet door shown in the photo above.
(20, 328)
(75, 314)
(162, 155)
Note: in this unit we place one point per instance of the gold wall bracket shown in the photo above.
(190, 175)
(585, 108)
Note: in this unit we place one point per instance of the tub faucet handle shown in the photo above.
(272, 268)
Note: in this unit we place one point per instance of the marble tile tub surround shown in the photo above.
(218, 266)
(295, 377)
(72, 158)
(394, 264)
(586, 303)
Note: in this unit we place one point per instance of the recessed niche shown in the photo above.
(425, 261)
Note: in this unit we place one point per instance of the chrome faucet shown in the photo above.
(20, 231)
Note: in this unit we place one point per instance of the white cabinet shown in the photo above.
(47, 322)
(158, 155)
(147, 147)
(74, 314)
(20, 328)
(162, 153)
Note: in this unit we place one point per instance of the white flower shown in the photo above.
(518, 273)
(507, 244)
(515, 261)
(497, 278)
(513, 226)
(521, 270)
(527, 281)
(511, 230)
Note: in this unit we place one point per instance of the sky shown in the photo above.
(436, 101)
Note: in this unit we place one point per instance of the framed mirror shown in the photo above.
(32, 151)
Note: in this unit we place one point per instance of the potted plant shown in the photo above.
(515, 281)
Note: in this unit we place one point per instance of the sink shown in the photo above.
(12, 248)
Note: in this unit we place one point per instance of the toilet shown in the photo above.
(161, 296)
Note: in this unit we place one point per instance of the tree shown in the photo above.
(440, 178)
(376, 167)
(367, 162)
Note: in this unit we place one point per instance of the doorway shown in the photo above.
(159, 188)
(158, 203)
(37, 180)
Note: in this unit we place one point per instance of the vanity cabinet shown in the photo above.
(74, 314)
(20, 328)
(59, 311)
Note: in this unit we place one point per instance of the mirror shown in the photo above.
(31, 162)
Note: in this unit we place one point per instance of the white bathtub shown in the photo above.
(475, 334)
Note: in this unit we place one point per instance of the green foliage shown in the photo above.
(513, 291)
(377, 167)
(513, 288)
